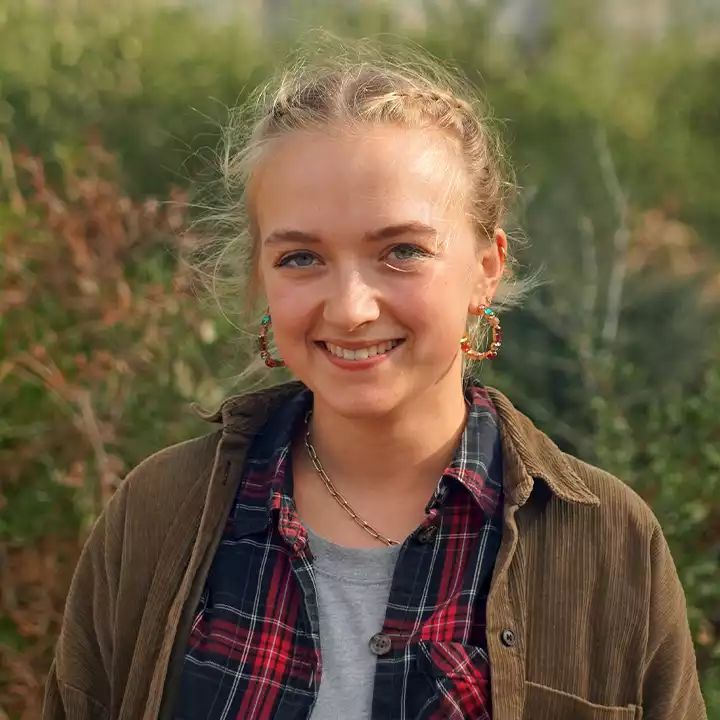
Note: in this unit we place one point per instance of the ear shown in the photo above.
(491, 261)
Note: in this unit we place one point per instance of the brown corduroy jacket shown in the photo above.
(584, 582)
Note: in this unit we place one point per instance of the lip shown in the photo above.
(356, 365)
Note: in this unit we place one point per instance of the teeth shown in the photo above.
(362, 353)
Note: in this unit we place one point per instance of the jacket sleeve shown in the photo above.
(671, 686)
(63, 702)
(78, 686)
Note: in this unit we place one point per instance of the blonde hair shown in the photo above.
(333, 83)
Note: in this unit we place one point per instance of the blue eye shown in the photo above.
(406, 252)
(297, 260)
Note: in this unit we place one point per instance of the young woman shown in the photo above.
(382, 538)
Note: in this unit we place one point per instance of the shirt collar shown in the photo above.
(267, 483)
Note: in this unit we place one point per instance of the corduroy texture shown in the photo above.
(586, 618)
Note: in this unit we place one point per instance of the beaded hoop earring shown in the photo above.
(270, 361)
(492, 352)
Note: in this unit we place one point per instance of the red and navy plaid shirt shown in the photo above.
(254, 651)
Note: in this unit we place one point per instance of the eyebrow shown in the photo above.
(386, 233)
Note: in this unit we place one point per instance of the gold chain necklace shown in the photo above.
(339, 499)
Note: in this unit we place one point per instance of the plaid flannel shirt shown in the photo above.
(254, 650)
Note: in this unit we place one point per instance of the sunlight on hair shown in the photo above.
(336, 85)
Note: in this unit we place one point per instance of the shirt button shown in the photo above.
(380, 644)
(443, 493)
(438, 499)
(427, 534)
(508, 637)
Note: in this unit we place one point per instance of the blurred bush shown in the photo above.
(105, 110)
(103, 346)
(154, 83)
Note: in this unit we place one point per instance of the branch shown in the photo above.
(588, 304)
(91, 429)
(72, 400)
(559, 327)
(590, 269)
(618, 274)
(7, 171)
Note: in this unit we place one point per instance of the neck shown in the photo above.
(416, 441)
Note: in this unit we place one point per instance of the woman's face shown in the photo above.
(369, 264)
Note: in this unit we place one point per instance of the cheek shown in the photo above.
(292, 307)
(294, 310)
(436, 310)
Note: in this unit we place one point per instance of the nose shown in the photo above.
(352, 302)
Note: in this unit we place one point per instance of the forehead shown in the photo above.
(351, 183)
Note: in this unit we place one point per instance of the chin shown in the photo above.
(358, 402)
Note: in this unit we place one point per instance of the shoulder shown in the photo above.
(172, 484)
(625, 531)
(631, 559)
(619, 504)
(529, 454)
(586, 505)
(625, 547)
(169, 474)
(168, 487)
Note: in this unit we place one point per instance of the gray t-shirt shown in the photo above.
(353, 586)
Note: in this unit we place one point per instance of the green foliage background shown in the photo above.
(107, 111)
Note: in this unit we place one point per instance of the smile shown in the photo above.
(361, 353)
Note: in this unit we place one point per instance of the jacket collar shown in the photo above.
(528, 454)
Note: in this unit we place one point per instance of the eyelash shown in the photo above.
(416, 253)
(285, 260)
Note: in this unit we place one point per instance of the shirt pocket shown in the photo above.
(459, 678)
(544, 703)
